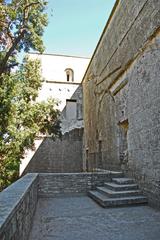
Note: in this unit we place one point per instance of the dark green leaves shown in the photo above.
(22, 118)
(22, 25)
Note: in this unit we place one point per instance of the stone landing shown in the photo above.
(80, 218)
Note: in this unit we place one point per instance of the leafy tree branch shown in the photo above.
(22, 24)
(22, 118)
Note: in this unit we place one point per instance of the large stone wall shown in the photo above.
(59, 156)
(17, 206)
(121, 95)
(46, 148)
(144, 121)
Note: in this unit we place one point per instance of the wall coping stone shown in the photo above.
(12, 197)
(106, 172)
(65, 174)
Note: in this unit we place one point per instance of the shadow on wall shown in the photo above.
(72, 114)
(63, 155)
(59, 156)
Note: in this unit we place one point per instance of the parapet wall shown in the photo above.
(57, 184)
(17, 206)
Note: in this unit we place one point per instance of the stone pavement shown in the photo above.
(80, 218)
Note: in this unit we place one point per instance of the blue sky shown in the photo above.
(75, 26)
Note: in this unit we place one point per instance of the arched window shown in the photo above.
(69, 75)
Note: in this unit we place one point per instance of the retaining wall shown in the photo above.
(59, 156)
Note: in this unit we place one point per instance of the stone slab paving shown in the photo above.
(80, 218)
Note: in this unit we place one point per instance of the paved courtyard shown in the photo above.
(80, 218)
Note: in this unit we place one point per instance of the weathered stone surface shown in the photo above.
(18, 202)
(144, 121)
(121, 96)
(51, 185)
(80, 218)
(61, 155)
(66, 124)
(107, 197)
(58, 217)
(17, 207)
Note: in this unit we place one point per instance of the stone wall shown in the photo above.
(67, 124)
(144, 121)
(41, 155)
(121, 96)
(17, 206)
(57, 184)
(61, 155)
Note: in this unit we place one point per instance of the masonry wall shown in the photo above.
(77, 122)
(54, 72)
(61, 155)
(57, 184)
(17, 207)
(121, 96)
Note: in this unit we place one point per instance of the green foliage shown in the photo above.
(21, 117)
(22, 24)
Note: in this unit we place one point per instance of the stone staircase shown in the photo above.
(121, 191)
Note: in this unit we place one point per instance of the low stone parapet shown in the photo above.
(55, 184)
(17, 206)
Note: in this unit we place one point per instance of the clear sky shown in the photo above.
(75, 26)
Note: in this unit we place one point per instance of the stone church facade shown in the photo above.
(122, 96)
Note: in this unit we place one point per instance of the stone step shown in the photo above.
(116, 174)
(123, 180)
(117, 194)
(121, 187)
(113, 174)
(104, 201)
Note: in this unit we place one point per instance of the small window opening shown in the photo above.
(69, 75)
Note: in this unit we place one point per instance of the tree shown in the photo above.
(21, 117)
(22, 24)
